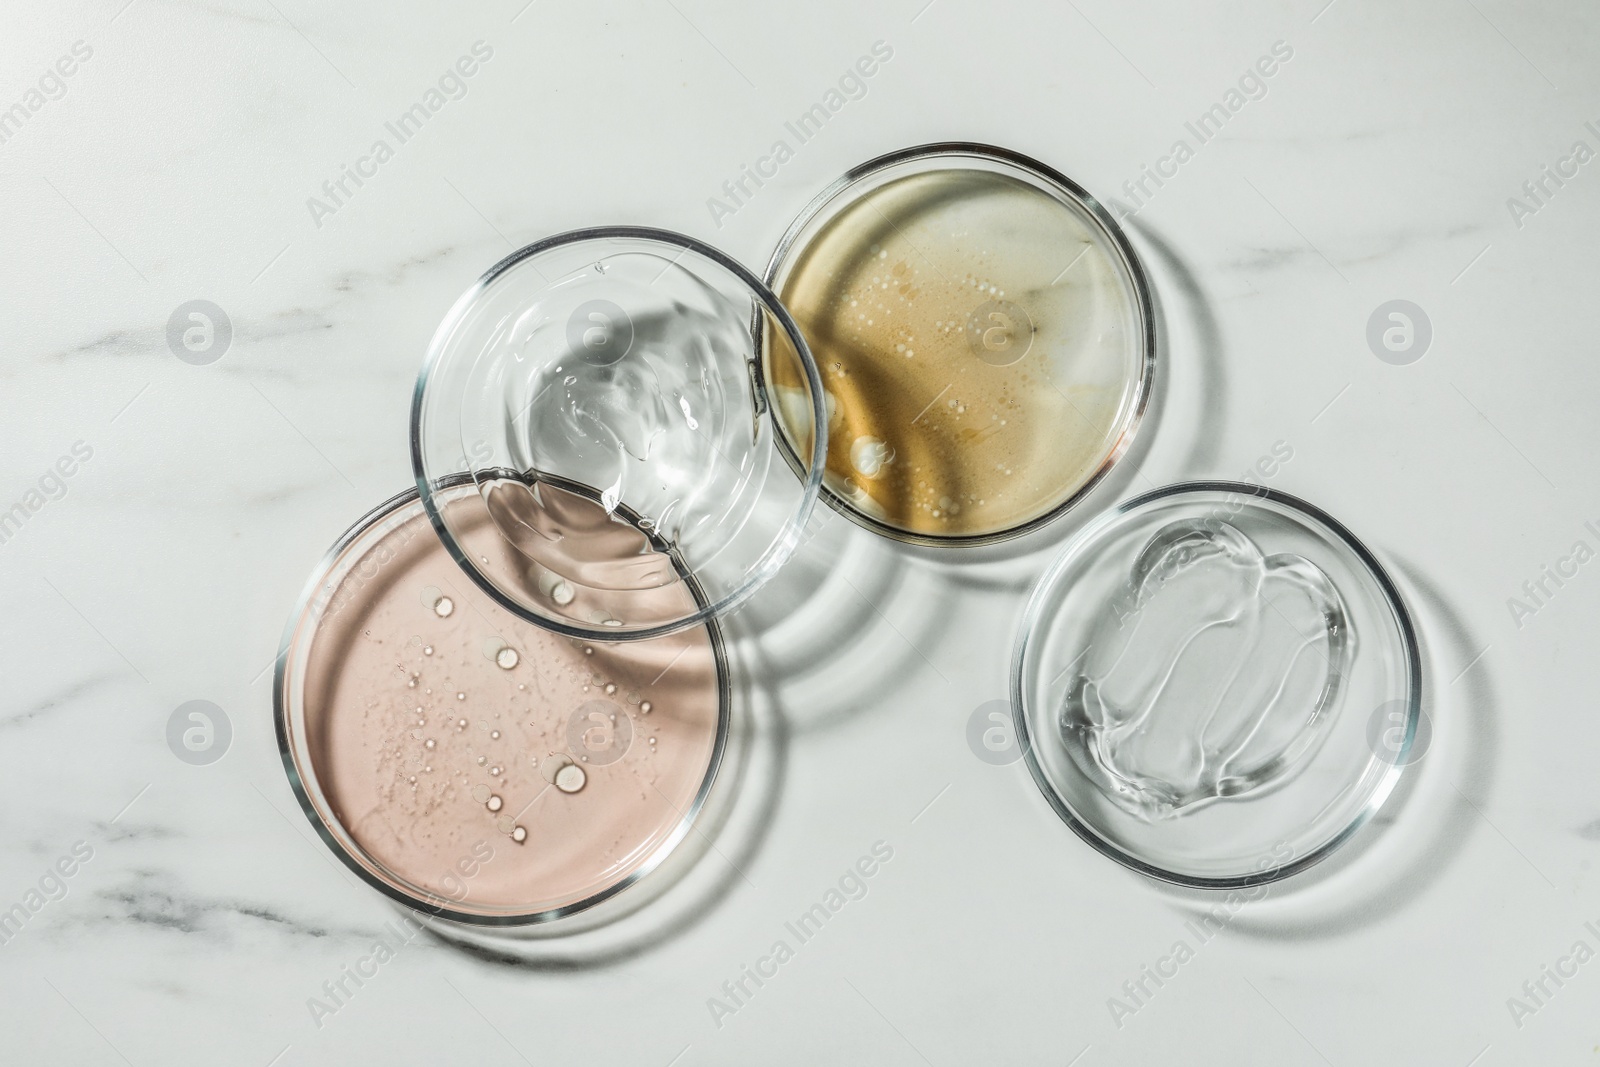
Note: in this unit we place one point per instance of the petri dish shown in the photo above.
(1216, 684)
(476, 767)
(593, 439)
(985, 338)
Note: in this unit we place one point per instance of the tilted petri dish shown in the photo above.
(593, 412)
(475, 767)
(985, 336)
(1216, 684)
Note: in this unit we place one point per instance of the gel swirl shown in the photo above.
(620, 413)
(1214, 674)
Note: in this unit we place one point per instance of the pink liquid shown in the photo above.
(476, 758)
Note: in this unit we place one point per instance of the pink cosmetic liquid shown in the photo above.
(473, 762)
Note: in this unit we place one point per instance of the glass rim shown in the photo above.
(1140, 292)
(775, 555)
(284, 703)
(1380, 792)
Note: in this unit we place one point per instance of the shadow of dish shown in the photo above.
(810, 650)
(1200, 325)
(1414, 839)
(844, 624)
(710, 862)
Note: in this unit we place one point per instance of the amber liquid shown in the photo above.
(978, 345)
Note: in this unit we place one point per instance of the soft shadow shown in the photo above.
(1204, 453)
(845, 624)
(1415, 839)
(837, 630)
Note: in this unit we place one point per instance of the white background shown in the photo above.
(1378, 166)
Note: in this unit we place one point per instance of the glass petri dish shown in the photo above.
(473, 766)
(591, 434)
(1216, 684)
(985, 337)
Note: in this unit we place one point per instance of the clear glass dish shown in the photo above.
(1216, 684)
(985, 334)
(479, 769)
(594, 415)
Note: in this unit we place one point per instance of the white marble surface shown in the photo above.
(177, 165)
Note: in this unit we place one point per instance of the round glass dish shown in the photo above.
(985, 336)
(1216, 684)
(475, 767)
(594, 414)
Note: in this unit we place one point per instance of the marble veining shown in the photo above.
(176, 166)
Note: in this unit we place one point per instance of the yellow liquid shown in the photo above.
(980, 349)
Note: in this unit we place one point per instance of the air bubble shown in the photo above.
(645, 707)
(443, 607)
(571, 778)
(506, 658)
(869, 455)
(519, 834)
(494, 803)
